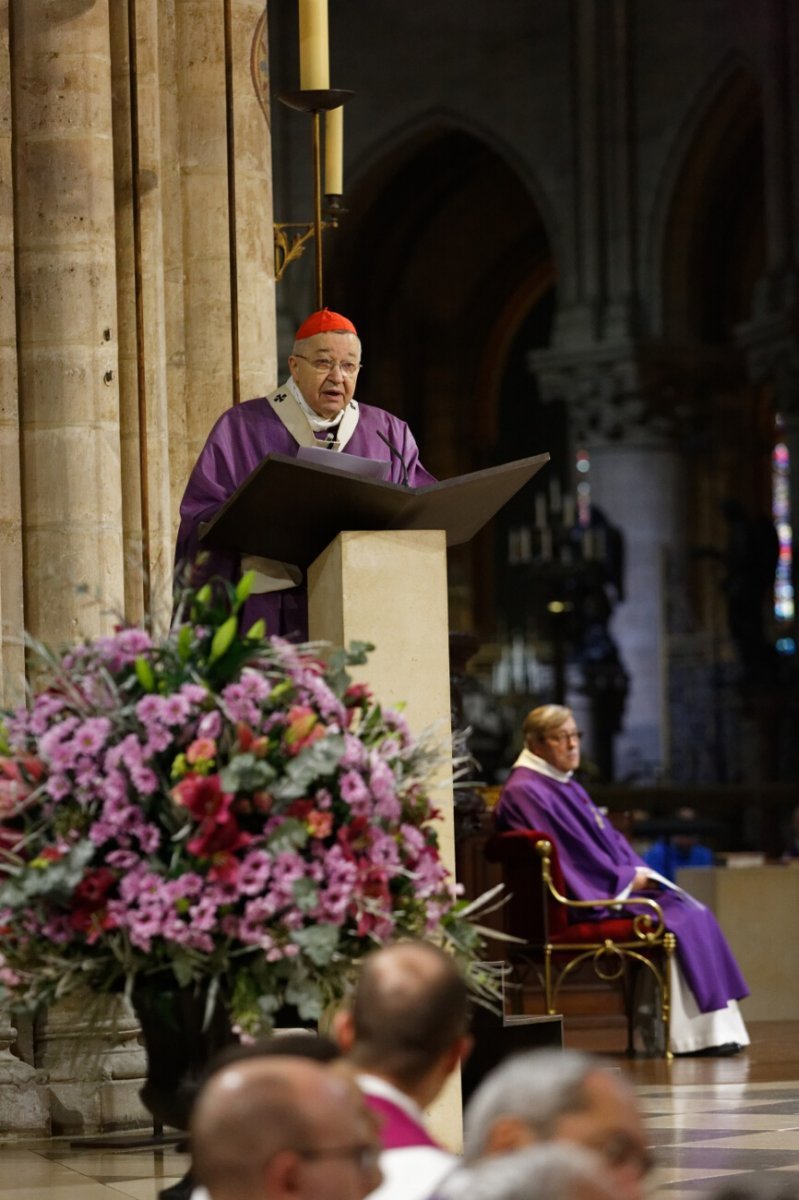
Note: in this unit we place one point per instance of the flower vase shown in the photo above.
(179, 1044)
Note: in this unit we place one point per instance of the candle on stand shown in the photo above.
(334, 152)
(314, 53)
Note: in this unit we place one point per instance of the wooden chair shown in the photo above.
(556, 935)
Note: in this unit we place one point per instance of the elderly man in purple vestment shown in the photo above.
(598, 861)
(315, 407)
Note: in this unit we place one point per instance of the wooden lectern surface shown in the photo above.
(290, 510)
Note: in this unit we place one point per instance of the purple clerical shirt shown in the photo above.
(240, 440)
(597, 860)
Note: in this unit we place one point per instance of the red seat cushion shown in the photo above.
(618, 929)
(516, 851)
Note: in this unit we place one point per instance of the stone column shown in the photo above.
(12, 662)
(636, 481)
(223, 153)
(67, 318)
(580, 286)
(620, 312)
(144, 422)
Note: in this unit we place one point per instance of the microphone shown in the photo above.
(396, 454)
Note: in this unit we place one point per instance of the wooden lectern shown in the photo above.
(375, 554)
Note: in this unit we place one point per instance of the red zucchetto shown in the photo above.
(323, 322)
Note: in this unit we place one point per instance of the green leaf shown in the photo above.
(305, 893)
(246, 773)
(57, 881)
(223, 638)
(291, 834)
(257, 631)
(318, 942)
(184, 643)
(244, 587)
(306, 995)
(145, 674)
(318, 760)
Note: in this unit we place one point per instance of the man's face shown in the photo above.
(326, 371)
(610, 1125)
(343, 1163)
(561, 746)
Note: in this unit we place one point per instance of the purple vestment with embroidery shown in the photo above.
(597, 860)
(240, 440)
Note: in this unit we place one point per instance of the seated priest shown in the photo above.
(315, 407)
(597, 861)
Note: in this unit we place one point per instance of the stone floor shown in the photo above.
(709, 1120)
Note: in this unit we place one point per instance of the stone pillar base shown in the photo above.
(88, 1047)
(24, 1102)
(77, 1107)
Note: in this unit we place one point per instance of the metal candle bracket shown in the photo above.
(290, 246)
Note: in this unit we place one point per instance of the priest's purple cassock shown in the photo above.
(597, 860)
(240, 440)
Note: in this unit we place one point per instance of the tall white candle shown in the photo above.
(334, 152)
(314, 51)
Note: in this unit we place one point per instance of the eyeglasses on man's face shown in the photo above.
(326, 366)
(365, 1155)
(621, 1150)
(566, 736)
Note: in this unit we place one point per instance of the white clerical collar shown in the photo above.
(534, 763)
(313, 418)
(375, 1085)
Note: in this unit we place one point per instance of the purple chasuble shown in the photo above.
(398, 1129)
(597, 860)
(240, 440)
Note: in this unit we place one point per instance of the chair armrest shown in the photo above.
(649, 924)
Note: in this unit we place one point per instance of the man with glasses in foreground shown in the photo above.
(314, 408)
(598, 861)
(283, 1128)
(556, 1096)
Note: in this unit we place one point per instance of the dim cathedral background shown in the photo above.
(567, 225)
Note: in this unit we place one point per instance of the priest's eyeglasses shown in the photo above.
(365, 1155)
(326, 366)
(571, 735)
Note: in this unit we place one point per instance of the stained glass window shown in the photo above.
(781, 513)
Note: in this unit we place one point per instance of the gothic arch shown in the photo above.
(706, 241)
(441, 260)
(441, 237)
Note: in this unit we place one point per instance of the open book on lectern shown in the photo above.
(290, 510)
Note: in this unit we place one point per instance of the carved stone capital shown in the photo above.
(771, 346)
(644, 394)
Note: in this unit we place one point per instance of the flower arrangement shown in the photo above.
(213, 808)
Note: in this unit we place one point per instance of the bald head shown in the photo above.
(410, 1008)
(258, 1124)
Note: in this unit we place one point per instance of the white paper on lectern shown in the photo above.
(353, 464)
